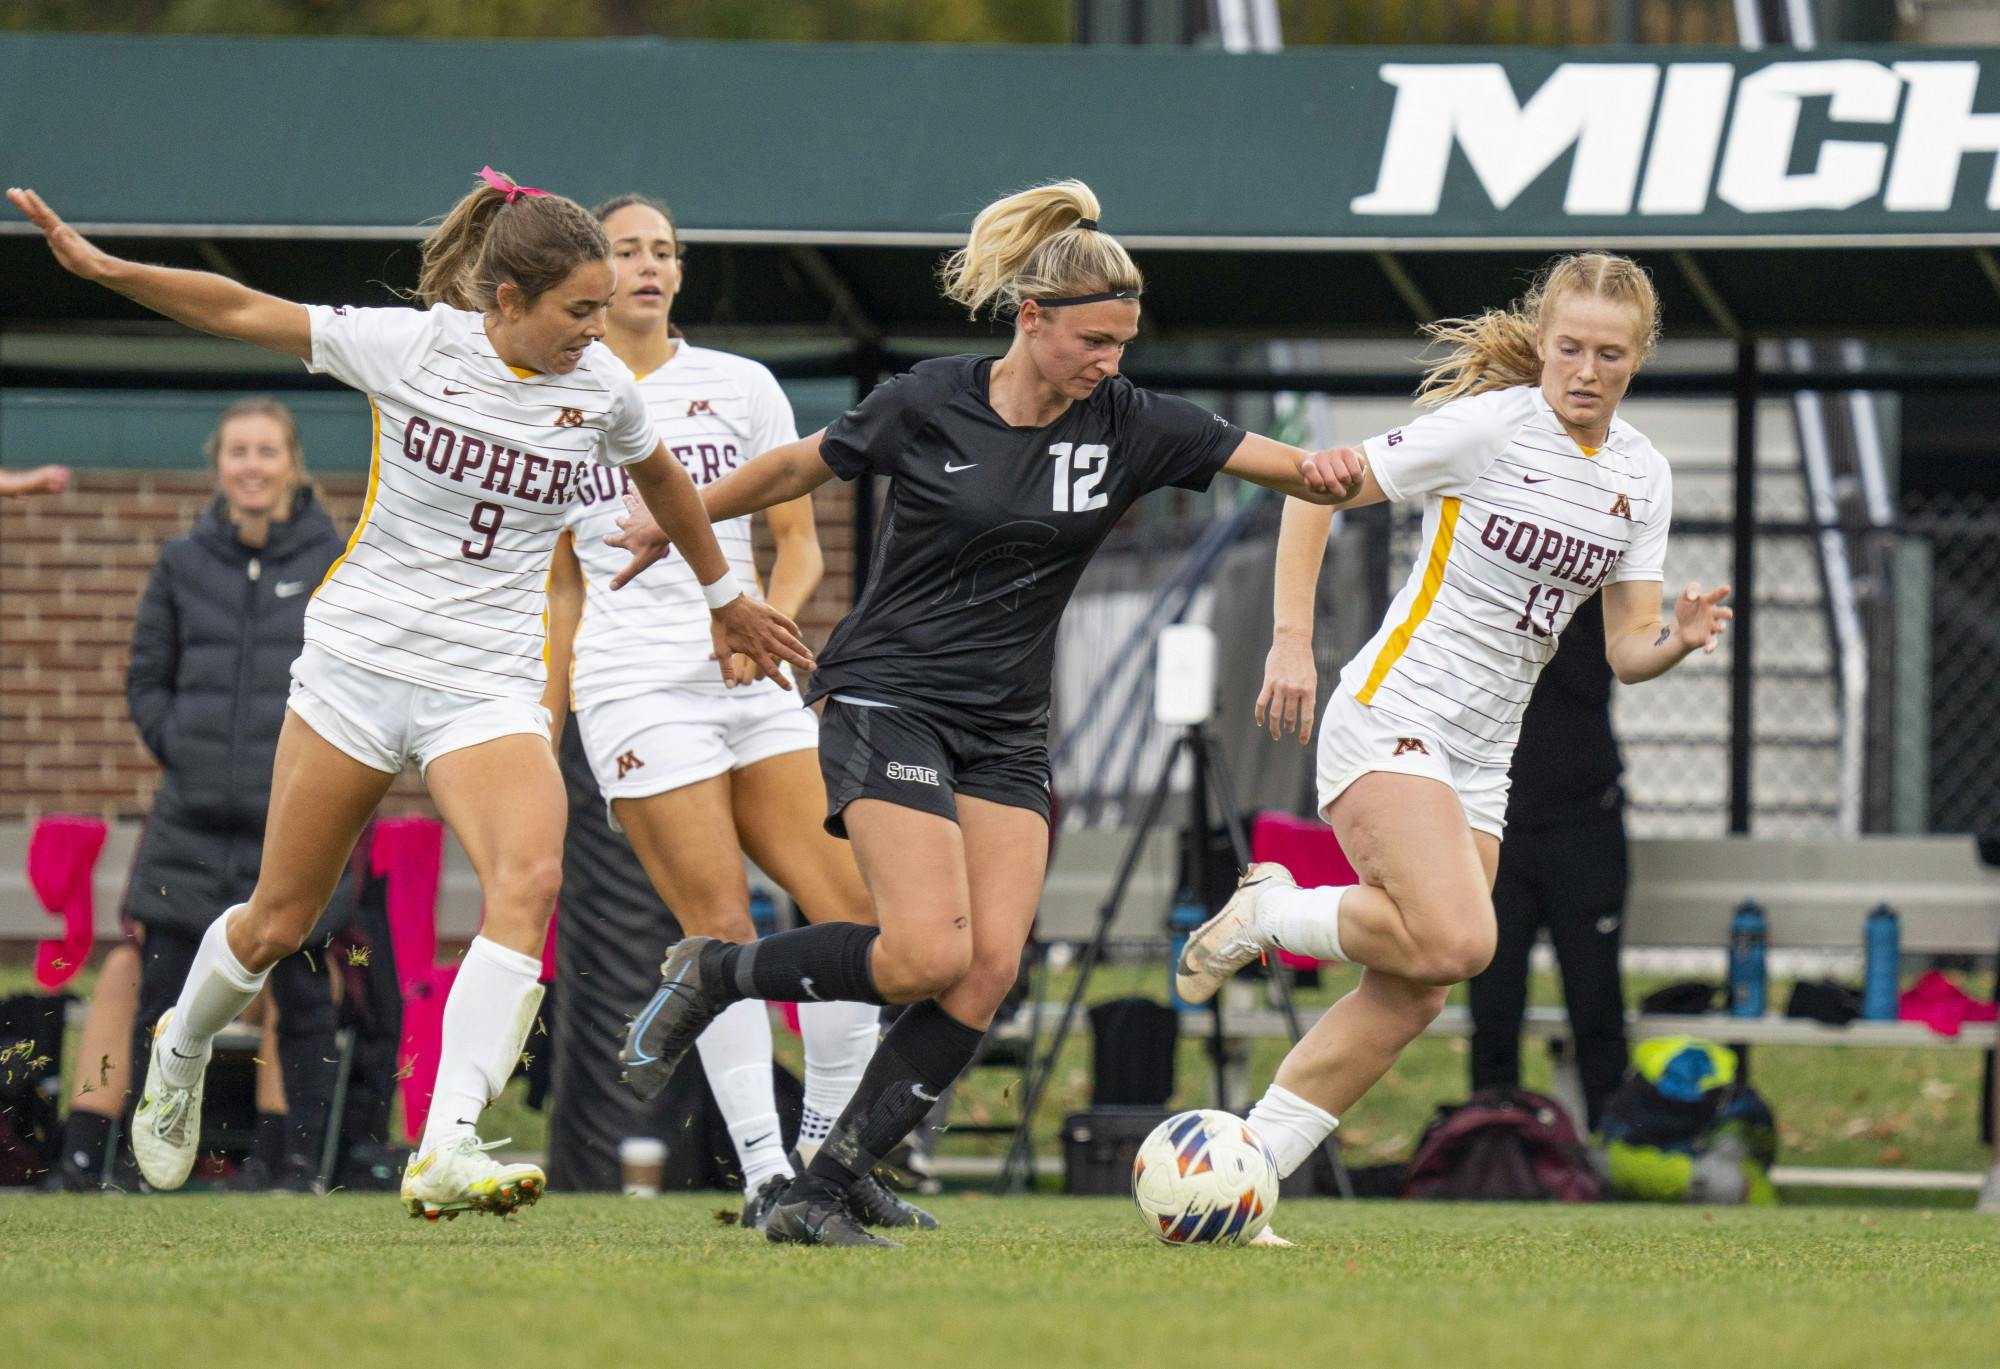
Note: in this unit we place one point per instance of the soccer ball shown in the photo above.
(1204, 1177)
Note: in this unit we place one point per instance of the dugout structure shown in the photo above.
(1314, 194)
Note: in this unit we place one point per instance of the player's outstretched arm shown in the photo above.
(199, 299)
(742, 625)
(1291, 681)
(776, 477)
(1641, 646)
(34, 480)
(1338, 477)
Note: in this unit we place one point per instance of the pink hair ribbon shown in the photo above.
(507, 185)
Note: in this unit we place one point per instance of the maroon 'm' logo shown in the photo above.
(699, 406)
(570, 418)
(1404, 744)
(629, 762)
(1621, 507)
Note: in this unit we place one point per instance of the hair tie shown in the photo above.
(508, 186)
(1091, 224)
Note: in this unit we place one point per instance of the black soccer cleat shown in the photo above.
(816, 1215)
(676, 1015)
(757, 1207)
(874, 1203)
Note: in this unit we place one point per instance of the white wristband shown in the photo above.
(722, 591)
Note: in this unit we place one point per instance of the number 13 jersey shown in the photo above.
(987, 530)
(444, 581)
(1521, 525)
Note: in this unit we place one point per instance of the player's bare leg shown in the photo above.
(504, 800)
(321, 798)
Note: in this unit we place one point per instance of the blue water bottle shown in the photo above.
(1747, 971)
(1187, 914)
(1882, 965)
(763, 912)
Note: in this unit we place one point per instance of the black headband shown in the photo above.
(1088, 299)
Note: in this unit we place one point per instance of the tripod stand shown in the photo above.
(1210, 782)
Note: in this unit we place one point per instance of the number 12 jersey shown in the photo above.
(988, 528)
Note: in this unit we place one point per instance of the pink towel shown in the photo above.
(1941, 1005)
(62, 861)
(409, 854)
(1306, 847)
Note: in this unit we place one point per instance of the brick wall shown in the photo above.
(71, 572)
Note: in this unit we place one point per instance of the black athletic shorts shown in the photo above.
(916, 760)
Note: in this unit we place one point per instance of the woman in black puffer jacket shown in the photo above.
(222, 619)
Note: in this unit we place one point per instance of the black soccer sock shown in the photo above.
(924, 1052)
(818, 964)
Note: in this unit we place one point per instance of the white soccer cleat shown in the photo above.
(166, 1126)
(1231, 939)
(1270, 1237)
(460, 1176)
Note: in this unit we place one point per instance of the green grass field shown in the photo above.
(1030, 1283)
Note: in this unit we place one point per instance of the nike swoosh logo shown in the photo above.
(950, 469)
(448, 390)
(180, 1055)
(761, 1139)
(918, 1089)
(288, 588)
(1536, 480)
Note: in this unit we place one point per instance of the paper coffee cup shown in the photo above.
(641, 1159)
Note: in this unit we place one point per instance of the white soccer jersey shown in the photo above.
(474, 467)
(1521, 525)
(714, 411)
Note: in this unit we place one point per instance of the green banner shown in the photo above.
(772, 142)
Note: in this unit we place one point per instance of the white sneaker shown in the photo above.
(459, 1176)
(166, 1126)
(1989, 1193)
(1231, 939)
(1270, 1237)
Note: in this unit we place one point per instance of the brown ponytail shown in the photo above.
(1497, 349)
(533, 243)
(1035, 245)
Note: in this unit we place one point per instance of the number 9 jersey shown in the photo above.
(444, 581)
(1521, 525)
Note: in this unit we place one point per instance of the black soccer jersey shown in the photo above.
(988, 528)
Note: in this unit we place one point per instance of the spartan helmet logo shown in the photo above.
(994, 566)
(1621, 507)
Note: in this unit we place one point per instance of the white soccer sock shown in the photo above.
(840, 1040)
(736, 1055)
(1303, 921)
(1290, 1126)
(486, 1022)
(217, 988)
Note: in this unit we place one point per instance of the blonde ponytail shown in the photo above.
(1498, 349)
(494, 236)
(1035, 245)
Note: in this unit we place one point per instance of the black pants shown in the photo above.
(306, 1030)
(1571, 880)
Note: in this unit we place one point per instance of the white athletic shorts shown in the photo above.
(652, 743)
(385, 723)
(1354, 740)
